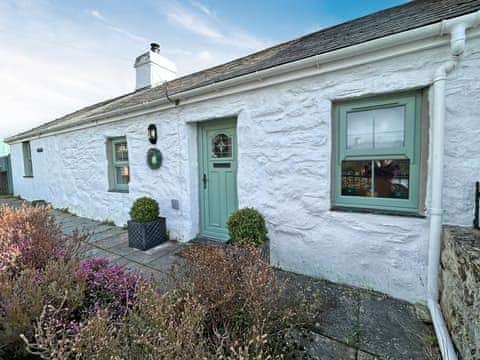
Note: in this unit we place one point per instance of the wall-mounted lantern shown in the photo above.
(152, 134)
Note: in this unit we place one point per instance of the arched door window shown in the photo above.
(222, 146)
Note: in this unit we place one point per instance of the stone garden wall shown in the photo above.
(460, 288)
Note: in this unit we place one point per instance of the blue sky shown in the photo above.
(59, 55)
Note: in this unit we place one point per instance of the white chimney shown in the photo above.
(153, 69)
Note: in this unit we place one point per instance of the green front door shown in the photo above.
(218, 176)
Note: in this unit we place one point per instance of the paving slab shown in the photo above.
(152, 254)
(111, 241)
(104, 235)
(95, 252)
(323, 348)
(165, 263)
(337, 314)
(390, 328)
(361, 355)
(123, 249)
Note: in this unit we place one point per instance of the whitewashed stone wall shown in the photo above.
(284, 139)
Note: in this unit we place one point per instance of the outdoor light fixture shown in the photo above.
(152, 134)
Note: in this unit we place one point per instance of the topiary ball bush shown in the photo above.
(246, 227)
(144, 210)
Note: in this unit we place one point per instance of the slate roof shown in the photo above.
(408, 16)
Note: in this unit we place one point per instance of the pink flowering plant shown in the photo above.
(108, 286)
(40, 270)
(29, 238)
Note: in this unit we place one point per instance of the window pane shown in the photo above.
(122, 175)
(222, 146)
(360, 130)
(392, 178)
(357, 178)
(376, 129)
(121, 151)
(389, 127)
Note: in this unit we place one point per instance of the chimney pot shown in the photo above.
(155, 48)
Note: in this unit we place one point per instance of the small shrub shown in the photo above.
(144, 209)
(247, 227)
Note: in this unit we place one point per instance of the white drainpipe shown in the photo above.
(457, 29)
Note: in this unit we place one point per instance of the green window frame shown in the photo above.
(27, 159)
(119, 164)
(403, 192)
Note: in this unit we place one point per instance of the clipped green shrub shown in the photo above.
(144, 209)
(246, 227)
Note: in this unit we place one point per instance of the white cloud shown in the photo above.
(96, 14)
(204, 9)
(200, 23)
(193, 23)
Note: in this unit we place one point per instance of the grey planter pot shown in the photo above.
(144, 236)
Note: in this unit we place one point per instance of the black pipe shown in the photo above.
(476, 220)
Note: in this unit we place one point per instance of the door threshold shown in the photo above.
(204, 240)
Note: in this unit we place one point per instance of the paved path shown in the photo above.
(353, 323)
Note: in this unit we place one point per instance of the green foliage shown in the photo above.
(144, 209)
(108, 222)
(246, 227)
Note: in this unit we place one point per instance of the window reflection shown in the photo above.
(391, 178)
(376, 129)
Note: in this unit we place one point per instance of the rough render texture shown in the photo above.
(284, 139)
(460, 288)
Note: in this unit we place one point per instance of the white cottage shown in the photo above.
(356, 143)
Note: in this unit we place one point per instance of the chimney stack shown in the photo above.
(152, 69)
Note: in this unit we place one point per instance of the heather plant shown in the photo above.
(228, 305)
(29, 238)
(168, 326)
(108, 285)
(23, 297)
(246, 310)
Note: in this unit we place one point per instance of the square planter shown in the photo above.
(144, 236)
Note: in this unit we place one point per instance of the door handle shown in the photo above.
(204, 179)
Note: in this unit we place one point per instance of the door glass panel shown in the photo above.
(376, 129)
(222, 146)
(122, 175)
(392, 178)
(357, 178)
